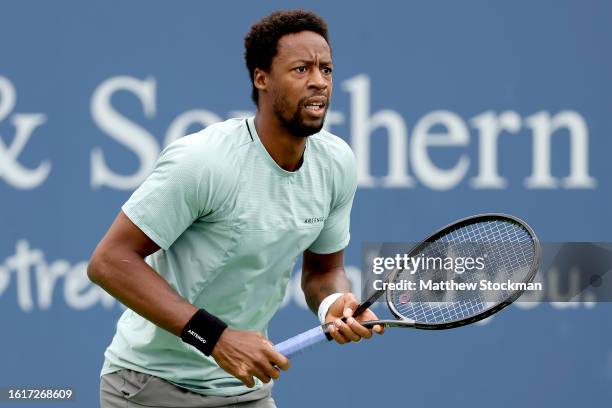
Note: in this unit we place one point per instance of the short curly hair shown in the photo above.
(261, 41)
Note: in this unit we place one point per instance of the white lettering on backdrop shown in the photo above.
(403, 153)
(439, 129)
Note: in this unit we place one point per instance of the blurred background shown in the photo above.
(452, 108)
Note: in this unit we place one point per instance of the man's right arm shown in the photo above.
(118, 266)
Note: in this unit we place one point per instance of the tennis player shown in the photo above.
(202, 252)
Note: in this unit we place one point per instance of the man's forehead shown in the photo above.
(305, 45)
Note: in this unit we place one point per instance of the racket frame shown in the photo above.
(494, 308)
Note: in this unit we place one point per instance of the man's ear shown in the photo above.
(260, 79)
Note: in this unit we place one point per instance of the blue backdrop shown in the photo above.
(452, 108)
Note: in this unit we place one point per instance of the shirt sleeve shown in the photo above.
(171, 198)
(335, 234)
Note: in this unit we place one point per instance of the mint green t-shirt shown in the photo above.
(230, 223)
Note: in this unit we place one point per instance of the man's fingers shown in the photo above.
(257, 372)
(358, 328)
(246, 378)
(346, 330)
(278, 359)
(267, 368)
(273, 373)
(337, 336)
(350, 305)
(369, 315)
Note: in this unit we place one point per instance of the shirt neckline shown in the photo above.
(250, 124)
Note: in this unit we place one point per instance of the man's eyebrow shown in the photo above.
(310, 61)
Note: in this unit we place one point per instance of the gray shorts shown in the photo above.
(127, 388)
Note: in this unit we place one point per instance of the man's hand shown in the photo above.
(343, 332)
(248, 354)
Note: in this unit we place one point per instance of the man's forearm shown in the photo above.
(138, 286)
(317, 285)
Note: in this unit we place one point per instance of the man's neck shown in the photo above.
(286, 149)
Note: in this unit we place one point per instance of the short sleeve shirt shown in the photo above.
(230, 223)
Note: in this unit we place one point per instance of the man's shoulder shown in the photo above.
(334, 147)
(215, 149)
(219, 137)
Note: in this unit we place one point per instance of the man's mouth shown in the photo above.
(315, 106)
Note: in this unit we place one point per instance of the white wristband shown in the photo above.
(326, 304)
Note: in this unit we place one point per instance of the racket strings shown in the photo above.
(508, 250)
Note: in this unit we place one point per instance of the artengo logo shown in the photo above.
(196, 335)
(409, 158)
(314, 220)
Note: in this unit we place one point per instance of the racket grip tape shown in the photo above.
(296, 345)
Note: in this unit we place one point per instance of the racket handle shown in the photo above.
(296, 345)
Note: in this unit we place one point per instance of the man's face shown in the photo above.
(301, 82)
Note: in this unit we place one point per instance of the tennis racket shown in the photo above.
(511, 253)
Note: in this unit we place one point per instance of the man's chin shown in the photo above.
(305, 131)
(313, 122)
(303, 124)
(316, 124)
(311, 127)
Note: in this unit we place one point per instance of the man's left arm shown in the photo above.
(322, 276)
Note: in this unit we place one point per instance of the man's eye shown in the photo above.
(327, 70)
(301, 69)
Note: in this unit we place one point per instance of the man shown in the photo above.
(220, 222)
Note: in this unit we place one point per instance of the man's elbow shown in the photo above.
(95, 268)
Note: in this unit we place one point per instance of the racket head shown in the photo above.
(506, 233)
